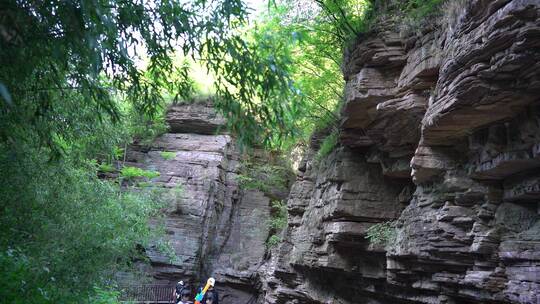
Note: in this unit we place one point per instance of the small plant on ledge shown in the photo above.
(106, 168)
(167, 155)
(328, 145)
(273, 241)
(131, 173)
(382, 233)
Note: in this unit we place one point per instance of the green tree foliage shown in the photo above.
(312, 35)
(317, 62)
(62, 230)
(105, 296)
(345, 19)
(51, 48)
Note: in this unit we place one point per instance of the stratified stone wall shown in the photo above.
(440, 132)
(215, 228)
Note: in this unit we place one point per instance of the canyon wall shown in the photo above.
(214, 227)
(440, 133)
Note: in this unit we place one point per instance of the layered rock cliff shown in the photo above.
(215, 228)
(440, 132)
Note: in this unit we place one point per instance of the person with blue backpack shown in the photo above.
(209, 296)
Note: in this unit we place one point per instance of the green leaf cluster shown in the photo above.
(381, 233)
(279, 215)
(311, 36)
(131, 173)
(277, 222)
(328, 145)
(63, 230)
(273, 241)
(345, 19)
(267, 177)
(167, 155)
(107, 168)
(105, 296)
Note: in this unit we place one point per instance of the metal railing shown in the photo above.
(151, 294)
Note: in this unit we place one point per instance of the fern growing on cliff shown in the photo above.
(381, 233)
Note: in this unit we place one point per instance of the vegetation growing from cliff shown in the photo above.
(328, 145)
(277, 222)
(271, 177)
(168, 155)
(420, 8)
(131, 173)
(381, 233)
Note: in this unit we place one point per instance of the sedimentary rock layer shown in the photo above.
(215, 228)
(440, 133)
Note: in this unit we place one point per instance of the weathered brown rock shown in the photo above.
(440, 133)
(198, 118)
(215, 228)
(490, 70)
(459, 103)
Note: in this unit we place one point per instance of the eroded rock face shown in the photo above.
(195, 118)
(441, 133)
(215, 228)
